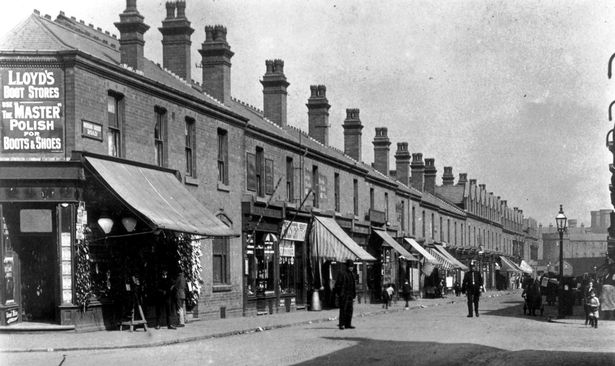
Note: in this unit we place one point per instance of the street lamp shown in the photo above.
(560, 220)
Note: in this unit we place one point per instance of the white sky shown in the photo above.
(515, 94)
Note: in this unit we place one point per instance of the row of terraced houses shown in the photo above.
(114, 167)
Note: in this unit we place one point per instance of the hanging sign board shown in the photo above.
(294, 230)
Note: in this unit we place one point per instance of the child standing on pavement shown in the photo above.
(593, 305)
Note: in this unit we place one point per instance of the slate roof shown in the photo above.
(451, 193)
(38, 33)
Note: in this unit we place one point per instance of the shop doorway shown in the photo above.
(37, 257)
(34, 241)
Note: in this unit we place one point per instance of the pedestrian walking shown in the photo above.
(594, 309)
(345, 289)
(389, 292)
(179, 293)
(457, 288)
(587, 291)
(163, 295)
(406, 291)
(471, 285)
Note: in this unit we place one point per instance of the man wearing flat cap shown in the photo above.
(345, 289)
(471, 286)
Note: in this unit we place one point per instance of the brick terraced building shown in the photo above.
(113, 167)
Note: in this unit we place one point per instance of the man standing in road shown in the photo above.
(345, 289)
(471, 286)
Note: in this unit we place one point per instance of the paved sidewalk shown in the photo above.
(197, 329)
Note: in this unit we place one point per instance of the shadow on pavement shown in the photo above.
(375, 352)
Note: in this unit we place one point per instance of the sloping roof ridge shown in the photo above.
(250, 106)
(95, 30)
(36, 16)
(444, 201)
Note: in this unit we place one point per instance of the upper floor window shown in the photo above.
(371, 198)
(336, 183)
(221, 260)
(115, 119)
(190, 133)
(423, 220)
(160, 136)
(315, 186)
(290, 179)
(222, 156)
(413, 220)
(386, 207)
(355, 196)
(259, 173)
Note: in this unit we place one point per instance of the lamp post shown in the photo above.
(560, 221)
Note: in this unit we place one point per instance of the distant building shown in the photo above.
(585, 248)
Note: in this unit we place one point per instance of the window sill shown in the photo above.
(191, 181)
(222, 288)
(223, 187)
(260, 199)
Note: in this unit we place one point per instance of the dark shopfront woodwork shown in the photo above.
(273, 268)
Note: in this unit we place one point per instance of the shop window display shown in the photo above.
(260, 266)
(287, 267)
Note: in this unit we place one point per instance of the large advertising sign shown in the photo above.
(32, 111)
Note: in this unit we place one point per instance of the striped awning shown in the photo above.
(508, 265)
(443, 262)
(158, 196)
(330, 242)
(388, 240)
(453, 260)
(525, 267)
(416, 246)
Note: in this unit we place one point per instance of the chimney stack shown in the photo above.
(318, 114)
(381, 150)
(131, 29)
(176, 32)
(430, 175)
(463, 179)
(402, 163)
(448, 179)
(274, 92)
(352, 134)
(216, 60)
(418, 171)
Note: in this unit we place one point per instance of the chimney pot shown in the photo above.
(318, 114)
(448, 178)
(402, 163)
(132, 28)
(381, 150)
(352, 134)
(275, 92)
(216, 60)
(176, 32)
(418, 172)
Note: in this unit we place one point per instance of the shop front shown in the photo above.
(274, 259)
(330, 247)
(37, 209)
(395, 261)
(82, 241)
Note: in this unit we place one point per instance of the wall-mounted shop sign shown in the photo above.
(91, 130)
(32, 110)
(294, 230)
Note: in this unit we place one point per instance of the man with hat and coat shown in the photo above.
(345, 289)
(471, 286)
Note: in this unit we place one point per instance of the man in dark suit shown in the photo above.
(471, 286)
(345, 289)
